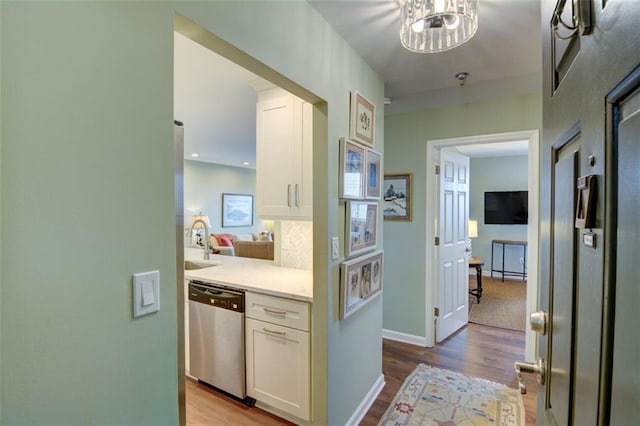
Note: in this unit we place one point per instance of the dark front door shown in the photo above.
(589, 212)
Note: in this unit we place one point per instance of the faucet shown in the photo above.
(206, 233)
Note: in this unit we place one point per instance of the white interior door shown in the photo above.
(452, 287)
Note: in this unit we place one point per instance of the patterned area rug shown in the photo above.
(432, 396)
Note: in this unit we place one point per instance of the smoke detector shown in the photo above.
(462, 77)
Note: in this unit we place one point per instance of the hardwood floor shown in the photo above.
(208, 407)
(476, 350)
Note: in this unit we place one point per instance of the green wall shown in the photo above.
(497, 174)
(204, 184)
(406, 151)
(87, 170)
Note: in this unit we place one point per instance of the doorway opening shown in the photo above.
(271, 78)
(433, 150)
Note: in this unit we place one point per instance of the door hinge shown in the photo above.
(437, 169)
(436, 312)
(437, 241)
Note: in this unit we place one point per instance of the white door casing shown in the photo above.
(452, 258)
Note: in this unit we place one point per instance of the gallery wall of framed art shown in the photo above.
(361, 189)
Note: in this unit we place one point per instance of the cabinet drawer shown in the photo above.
(276, 310)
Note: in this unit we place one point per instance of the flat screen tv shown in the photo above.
(506, 208)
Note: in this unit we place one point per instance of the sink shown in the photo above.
(192, 266)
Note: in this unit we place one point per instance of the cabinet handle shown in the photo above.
(296, 196)
(276, 333)
(272, 311)
(289, 195)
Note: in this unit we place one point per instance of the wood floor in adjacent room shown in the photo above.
(476, 350)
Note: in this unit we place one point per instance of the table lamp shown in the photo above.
(473, 233)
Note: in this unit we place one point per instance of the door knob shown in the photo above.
(536, 368)
(538, 321)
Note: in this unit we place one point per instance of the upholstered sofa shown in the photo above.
(243, 245)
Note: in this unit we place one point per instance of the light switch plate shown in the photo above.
(335, 248)
(146, 293)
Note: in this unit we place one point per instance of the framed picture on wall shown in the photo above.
(362, 119)
(360, 282)
(352, 156)
(397, 197)
(361, 227)
(372, 176)
(237, 210)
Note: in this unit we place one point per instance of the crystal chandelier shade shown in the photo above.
(430, 26)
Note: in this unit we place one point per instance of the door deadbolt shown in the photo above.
(538, 321)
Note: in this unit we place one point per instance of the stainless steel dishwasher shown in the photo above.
(216, 338)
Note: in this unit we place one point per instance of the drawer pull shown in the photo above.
(276, 333)
(274, 312)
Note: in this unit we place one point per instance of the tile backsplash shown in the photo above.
(296, 248)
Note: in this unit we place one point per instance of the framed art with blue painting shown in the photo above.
(237, 210)
(373, 174)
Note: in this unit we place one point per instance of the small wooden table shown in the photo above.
(478, 263)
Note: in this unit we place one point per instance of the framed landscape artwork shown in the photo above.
(397, 197)
(352, 156)
(360, 282)
(373, 160)
(362, 227)
(362, 120)
(237, 210)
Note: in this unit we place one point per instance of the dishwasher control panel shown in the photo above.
(219, 297)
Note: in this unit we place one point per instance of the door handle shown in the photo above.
(539, 322)
(536, 368)
(289, 195)
(296, 195)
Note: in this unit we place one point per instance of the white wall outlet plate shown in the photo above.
(146, 293)
(335, 248)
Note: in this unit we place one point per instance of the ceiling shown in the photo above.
(216, 101)
(503, 58)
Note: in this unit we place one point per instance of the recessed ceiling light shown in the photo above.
(245, 163)
(195, 155)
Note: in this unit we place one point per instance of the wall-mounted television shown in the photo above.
(506, 208)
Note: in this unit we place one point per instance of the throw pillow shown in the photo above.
(225, 242)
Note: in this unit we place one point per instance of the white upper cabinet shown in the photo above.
(284, 178)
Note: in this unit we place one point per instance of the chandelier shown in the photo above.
(430, 26)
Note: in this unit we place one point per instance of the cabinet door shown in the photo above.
(278, 367)
(303, 196)
(275, 156)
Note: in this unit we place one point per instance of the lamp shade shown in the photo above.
(204, 218)
(473, 229)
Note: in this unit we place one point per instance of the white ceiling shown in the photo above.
(503, 58)
(496, 149)
(216, 102)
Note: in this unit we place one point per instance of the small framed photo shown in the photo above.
(372, 175)
(362, 227)
(351, 170)
(237, 210)
(360, 281)
(362, 120)
(397, 197)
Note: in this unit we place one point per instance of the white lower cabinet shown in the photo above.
(278, 357)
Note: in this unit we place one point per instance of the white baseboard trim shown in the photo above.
(367, 402)
(404, 338)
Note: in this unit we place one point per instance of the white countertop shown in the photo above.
(257, 275)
